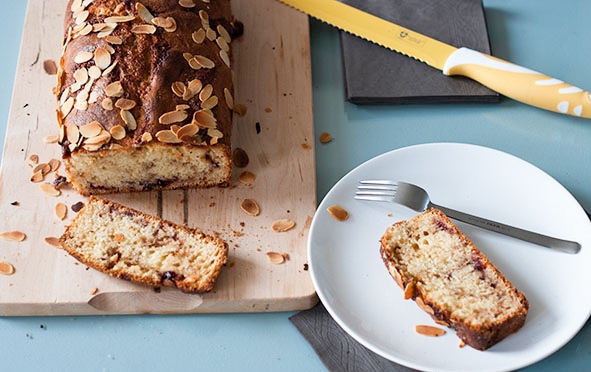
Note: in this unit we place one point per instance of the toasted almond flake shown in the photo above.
(125, 104)
(162, 22)
(246, 177)
(186, 132)
(54, 164)
(206, 92)
(94, 72)
(94, 291)
(182, 107)
(119, 19)
(214, 134)
(228, 98)
(82, 17)
(83, 57)
(144, 13)
(167, 136)
(34, 158)
(143, 29)
(210, 34)
(44, 168)
(102, 58)
(172, 117)
(50, 67)
(224, 34)
(52, 138)
(275, 258)
(6, 268)
(203, 119)
(225, 57)
(99, 140)
(117, 132)
(409, 290)
(105, 32)
(115, 89)
(37, 177)
(430, 331)
(283, 225)
(240, 109)
(174, 129)
(61, 211)
(81, 76)
(221, 42)
(210, 103)
(187, 3)
(250, 207)
(67, 107)
(53, 241)
(204, 18)
(204, 61)
(178, 88)
(194, 64)
(112, 39)
(72, 133)
(107, 104)
(338, 212)
(195, 86)
(198, 36)
(187, 56)
(49, 189)
(93, 98)
(13, 236)
(146, 137)
(109, 69)
(76, 4)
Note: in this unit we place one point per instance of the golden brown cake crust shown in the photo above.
(462, 306)
(135, 246)
(142, 70)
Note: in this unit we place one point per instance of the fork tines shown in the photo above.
(376, 190)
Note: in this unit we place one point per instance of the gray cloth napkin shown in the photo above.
(337, 350)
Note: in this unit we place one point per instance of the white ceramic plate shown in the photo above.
(358, 292)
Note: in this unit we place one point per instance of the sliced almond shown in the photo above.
(14, 236)
(48, 189)
(129, 119)
(54, 164)
(228, 98)
(143, 29)
(73, 133)
(210, 103)
(6, 268)
(187, 131)
(198, 36)
(83, 57)
(37, 177)
(34, 158)
(275, 258)
(115, 89)
(119, 19)
(94, 72)
(146, 137)
(44, 168)
(50, 67)
(167, 136)
(283, 225)
(53, 241)
(325, 137)
(99, 140)
(125, 104)
(225, 57)
(92, 129)
(107, 104)
(250, 207)
(430, 331)
(144, 13)
(102, 58)
(204, 61)
(52, 138)
(246, 177)
(115, 40)
(61, 211)
(117, 132)
(224, 34)
(94, 291)
(204, 119)
(409, 290)
(178, 88)
(187, 3)
(338, 212)
(172, 117)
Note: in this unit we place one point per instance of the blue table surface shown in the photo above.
(544, 35)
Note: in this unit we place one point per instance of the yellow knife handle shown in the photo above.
(519, 83)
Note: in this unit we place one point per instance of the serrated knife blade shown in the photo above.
(511, 80)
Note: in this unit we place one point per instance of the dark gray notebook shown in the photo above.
(376, 75)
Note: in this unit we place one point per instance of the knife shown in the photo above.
(506, 78)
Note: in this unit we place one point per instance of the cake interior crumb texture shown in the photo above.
(452, 276)
(135, 246)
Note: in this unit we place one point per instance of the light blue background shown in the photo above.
(544, 35)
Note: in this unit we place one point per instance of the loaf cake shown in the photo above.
(145, 94)
(135, 246)
(440, 268)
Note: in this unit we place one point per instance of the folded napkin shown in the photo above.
(337, 350)
(376, 75)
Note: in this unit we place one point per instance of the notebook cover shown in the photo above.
(376, 75)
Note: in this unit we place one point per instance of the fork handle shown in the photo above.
(515, 232)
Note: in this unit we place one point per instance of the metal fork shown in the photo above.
(417, 199)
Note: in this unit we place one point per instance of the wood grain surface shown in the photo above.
(273, 80)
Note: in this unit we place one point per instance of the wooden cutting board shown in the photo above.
(273, 80)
